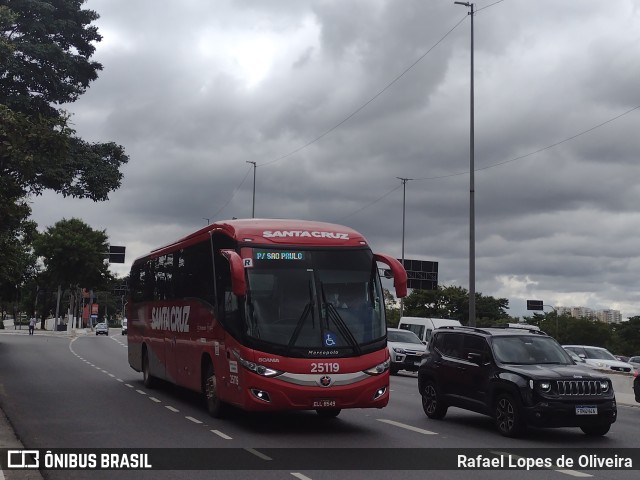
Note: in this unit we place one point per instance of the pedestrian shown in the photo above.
(32, 324)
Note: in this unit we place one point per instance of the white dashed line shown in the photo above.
(258, 454)
(129, 385)
(220, 434)
(169, 407)
(300, 476)
(194, 420)
(155, 399)
(141, 392)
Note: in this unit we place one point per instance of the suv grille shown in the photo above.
(579, 387)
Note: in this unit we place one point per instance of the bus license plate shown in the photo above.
(586, 410)
(324, 403)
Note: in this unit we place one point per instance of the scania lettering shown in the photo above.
(265, 315)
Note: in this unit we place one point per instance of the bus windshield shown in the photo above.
(314, 299)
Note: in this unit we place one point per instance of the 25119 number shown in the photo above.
(325, 367)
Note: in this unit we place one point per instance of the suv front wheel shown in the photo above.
(596, 430)
(432, 403)
(508, 416)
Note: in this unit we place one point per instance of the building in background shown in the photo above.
(606, 316)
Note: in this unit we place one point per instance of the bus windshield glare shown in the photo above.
(315, 299)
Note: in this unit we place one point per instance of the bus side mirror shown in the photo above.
(397, 271)
(238, 283)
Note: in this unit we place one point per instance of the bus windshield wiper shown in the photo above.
(308, 308)
(342, 327)
(333, 314)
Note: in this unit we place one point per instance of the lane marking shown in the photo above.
(300, 476)
(169, 407)
(194, 420)
(407, 427)
(141, 392)
(258, 454)
(220, 434)
(155, 399)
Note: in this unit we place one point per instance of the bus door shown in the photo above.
(228, 364)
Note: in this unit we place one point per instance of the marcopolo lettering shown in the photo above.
(173, 319)
(304, 233)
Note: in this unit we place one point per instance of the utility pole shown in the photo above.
(253, 208)
(472, 192)
(404, 202)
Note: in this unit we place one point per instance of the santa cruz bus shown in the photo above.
(265, 315)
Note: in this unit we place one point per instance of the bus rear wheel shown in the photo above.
(148, 379)
(215, 406)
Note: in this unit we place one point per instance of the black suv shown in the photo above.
(517, 376)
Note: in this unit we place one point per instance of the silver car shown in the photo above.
(599, 358)
(102, 329)
(405, 350)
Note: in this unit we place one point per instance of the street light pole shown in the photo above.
(472, 192)
(253, 208)
(404, 201)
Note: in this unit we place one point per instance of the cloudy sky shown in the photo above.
(335, 99)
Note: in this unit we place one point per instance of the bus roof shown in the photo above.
(276, 232)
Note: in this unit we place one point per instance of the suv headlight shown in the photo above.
(378, 369)
(544, 386)
(604, 385)
(398, 350)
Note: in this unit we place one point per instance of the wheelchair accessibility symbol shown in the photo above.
(329, 339)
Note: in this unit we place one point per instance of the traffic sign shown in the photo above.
(535, 305)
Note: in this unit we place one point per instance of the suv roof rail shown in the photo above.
(463, 327)
(528, 328)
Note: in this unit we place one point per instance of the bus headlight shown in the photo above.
(378, 369)
(258, 369)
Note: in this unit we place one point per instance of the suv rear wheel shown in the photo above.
(508, 416)
(432, 403)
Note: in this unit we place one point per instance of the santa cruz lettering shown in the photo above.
(174, 319)
(304, 233)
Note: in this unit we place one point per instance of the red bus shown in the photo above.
(265, 315)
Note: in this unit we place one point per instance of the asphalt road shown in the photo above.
(79, 392)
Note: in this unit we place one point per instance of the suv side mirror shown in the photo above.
(474, 357)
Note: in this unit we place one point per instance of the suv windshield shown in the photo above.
(314, 299)
(529, 350)
(403, 336)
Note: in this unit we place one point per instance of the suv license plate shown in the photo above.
(586, 410)
(324, 403)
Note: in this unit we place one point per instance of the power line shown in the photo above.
(233, 194)
(568, 139)
(548, 147)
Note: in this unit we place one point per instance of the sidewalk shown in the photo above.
(8, 439)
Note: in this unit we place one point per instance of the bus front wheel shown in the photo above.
(215, 406)
(328, 412)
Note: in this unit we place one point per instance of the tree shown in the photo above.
(73, 253)
(453, 302)
(45, 50)
(392, 310)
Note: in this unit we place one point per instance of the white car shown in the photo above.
(405, 350)
(635, 362)
(599, 358)
(124, 326)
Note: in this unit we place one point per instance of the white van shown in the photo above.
(423, 327)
